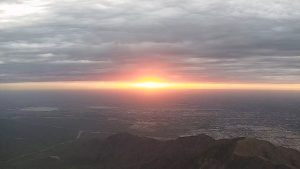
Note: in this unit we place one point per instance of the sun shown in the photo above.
(151, 83)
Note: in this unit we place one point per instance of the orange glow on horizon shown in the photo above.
(151, 85)
(144, 85)
(150, 82)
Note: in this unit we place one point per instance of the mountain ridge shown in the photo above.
(127, 151)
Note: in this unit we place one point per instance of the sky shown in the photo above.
(233, 41)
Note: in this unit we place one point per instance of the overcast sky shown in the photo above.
(197, 40)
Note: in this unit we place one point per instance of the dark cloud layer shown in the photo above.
(216, 40)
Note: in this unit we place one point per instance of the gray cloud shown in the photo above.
(237, 40)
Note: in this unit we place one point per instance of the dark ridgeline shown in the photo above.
(126, 151)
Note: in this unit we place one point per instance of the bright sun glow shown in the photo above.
(144, 85)
(150, 82)
(151, 85)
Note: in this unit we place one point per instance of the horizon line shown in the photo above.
(127, 85)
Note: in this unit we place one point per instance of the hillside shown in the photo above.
(126, 151)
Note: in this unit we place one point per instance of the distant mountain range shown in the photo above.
(126, 151)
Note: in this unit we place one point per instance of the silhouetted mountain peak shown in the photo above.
(127, 151)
